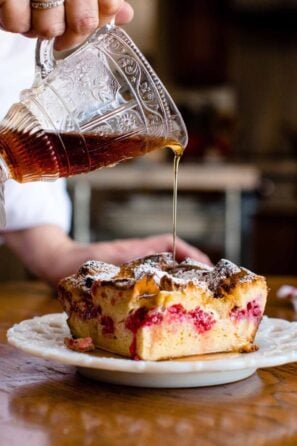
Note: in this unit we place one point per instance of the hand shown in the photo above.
(50, 254)
(121, 251)
(70, 23)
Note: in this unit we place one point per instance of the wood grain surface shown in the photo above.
(44, 403)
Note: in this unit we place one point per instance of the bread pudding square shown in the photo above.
(154, 308)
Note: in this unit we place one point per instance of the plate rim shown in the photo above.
(253, 360)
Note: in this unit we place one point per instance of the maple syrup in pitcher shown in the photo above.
(49, 155)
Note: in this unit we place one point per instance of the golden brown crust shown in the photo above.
(167, 274)
(153, 308)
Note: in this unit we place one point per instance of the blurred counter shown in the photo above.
(229, 179)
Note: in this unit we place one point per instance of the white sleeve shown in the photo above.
(38, 203)
(29, 204)
(17, 66)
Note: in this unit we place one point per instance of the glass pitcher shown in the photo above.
(98, 106)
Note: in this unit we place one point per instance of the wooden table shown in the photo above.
(43, 403)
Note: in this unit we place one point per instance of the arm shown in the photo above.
(50, 254)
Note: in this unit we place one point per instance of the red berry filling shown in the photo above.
(251, 311)
(135, 320)
(176, 313)
(203, 321)
(107, 325)
(85, 309)
(152, 318)
(80, 344)
(141, 318)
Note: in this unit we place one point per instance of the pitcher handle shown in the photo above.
(45, 61)
(46, 58)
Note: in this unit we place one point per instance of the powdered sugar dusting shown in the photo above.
(223, 270)
(191, 275)
(149, 270)
(92, 271)
(162, 269)
(249, 275)
(196, 264)
(99, 270)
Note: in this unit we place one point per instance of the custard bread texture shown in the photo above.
(153, 308)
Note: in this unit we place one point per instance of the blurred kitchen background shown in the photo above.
(231, 66)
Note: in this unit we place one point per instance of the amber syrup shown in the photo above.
(49, 155)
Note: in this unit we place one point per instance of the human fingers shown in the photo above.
(119, 11)
(184, 250)
(122, 251)
(108, 9)
(125, 14)
(163, 243)
(82, 18)
(15, 15)
(47, 23)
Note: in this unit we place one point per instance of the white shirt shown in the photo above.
(29, 204)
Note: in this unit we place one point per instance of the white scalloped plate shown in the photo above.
(44, 337)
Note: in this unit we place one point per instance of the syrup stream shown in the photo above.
(2, 206)
(176, 161)
(178, 151)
